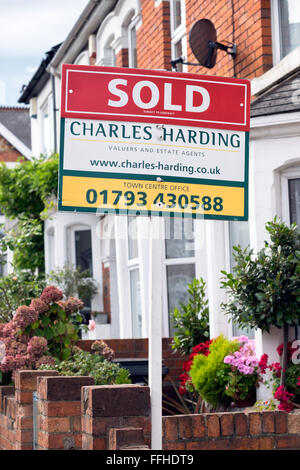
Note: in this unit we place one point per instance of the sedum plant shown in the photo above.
(83, 363)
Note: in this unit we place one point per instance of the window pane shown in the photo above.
(238, 235)
(83, 250)
(177, 13)
(289, 25)
(136, 313)
(179, 237)
(178, 278)
(178, 53)
(132, 52)
(294, 200)
(132, 238)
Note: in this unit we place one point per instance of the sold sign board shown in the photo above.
(152, 142)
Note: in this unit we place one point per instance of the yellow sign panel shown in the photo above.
(143, 196)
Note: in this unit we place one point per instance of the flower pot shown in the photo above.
(247, 402)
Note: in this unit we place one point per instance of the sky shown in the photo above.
(28, 29)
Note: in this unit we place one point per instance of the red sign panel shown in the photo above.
(122, 94)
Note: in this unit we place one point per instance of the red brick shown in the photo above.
(91, 443)
(254, 423)
(199, 426)
(50, 424)
(24, 422)
(23, 398)
(125, 437)
(213, 425)
(185, 427)
(267, 420)
(68, 408)
(62, 388)
(26, 380)
(240, 424)
(171, 428)
(288, 442)
(281, 422)
(227, 425)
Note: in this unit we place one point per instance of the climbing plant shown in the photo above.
(25, 196)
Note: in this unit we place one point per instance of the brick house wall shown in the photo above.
(7, 152)
(153, 37)
(247, 23)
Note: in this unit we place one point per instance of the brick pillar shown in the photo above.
(7, 418)
(25, 385)
(116, 406)
(59, 412)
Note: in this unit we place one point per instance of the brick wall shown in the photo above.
(247, 23)
(267, 430)
(74, 414)
(7, 152)
(138, 348)
(115, 416)
(153, 37)
(59, 412)
(16, 411)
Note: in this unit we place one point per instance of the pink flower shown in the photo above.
(71, 305)
(24, 316)
(39, 306)
(37, 346)
(51, 294)
(92, 325)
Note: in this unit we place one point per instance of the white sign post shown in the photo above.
(155, 332)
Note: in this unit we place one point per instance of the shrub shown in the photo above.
(191, 321)
(209, 373)
(83, 363)
(72, 281)
(18, 289)
(39, 331)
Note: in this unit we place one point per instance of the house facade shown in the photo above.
(15, 143)
(148, 34)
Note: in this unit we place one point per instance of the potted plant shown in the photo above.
(264, 290)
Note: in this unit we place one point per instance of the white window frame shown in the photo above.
(178, 34)
(276, 31)
(72, 243)
(173, 262)
(47, 108)
(286, 175)
(133, 264)
(132, 58)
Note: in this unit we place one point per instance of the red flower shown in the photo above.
(276, 368)
(263, 363)
(290, 349)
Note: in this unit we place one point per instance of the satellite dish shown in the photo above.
(204, 45)
(202, 34)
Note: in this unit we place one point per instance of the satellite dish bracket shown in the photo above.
(231, 49)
